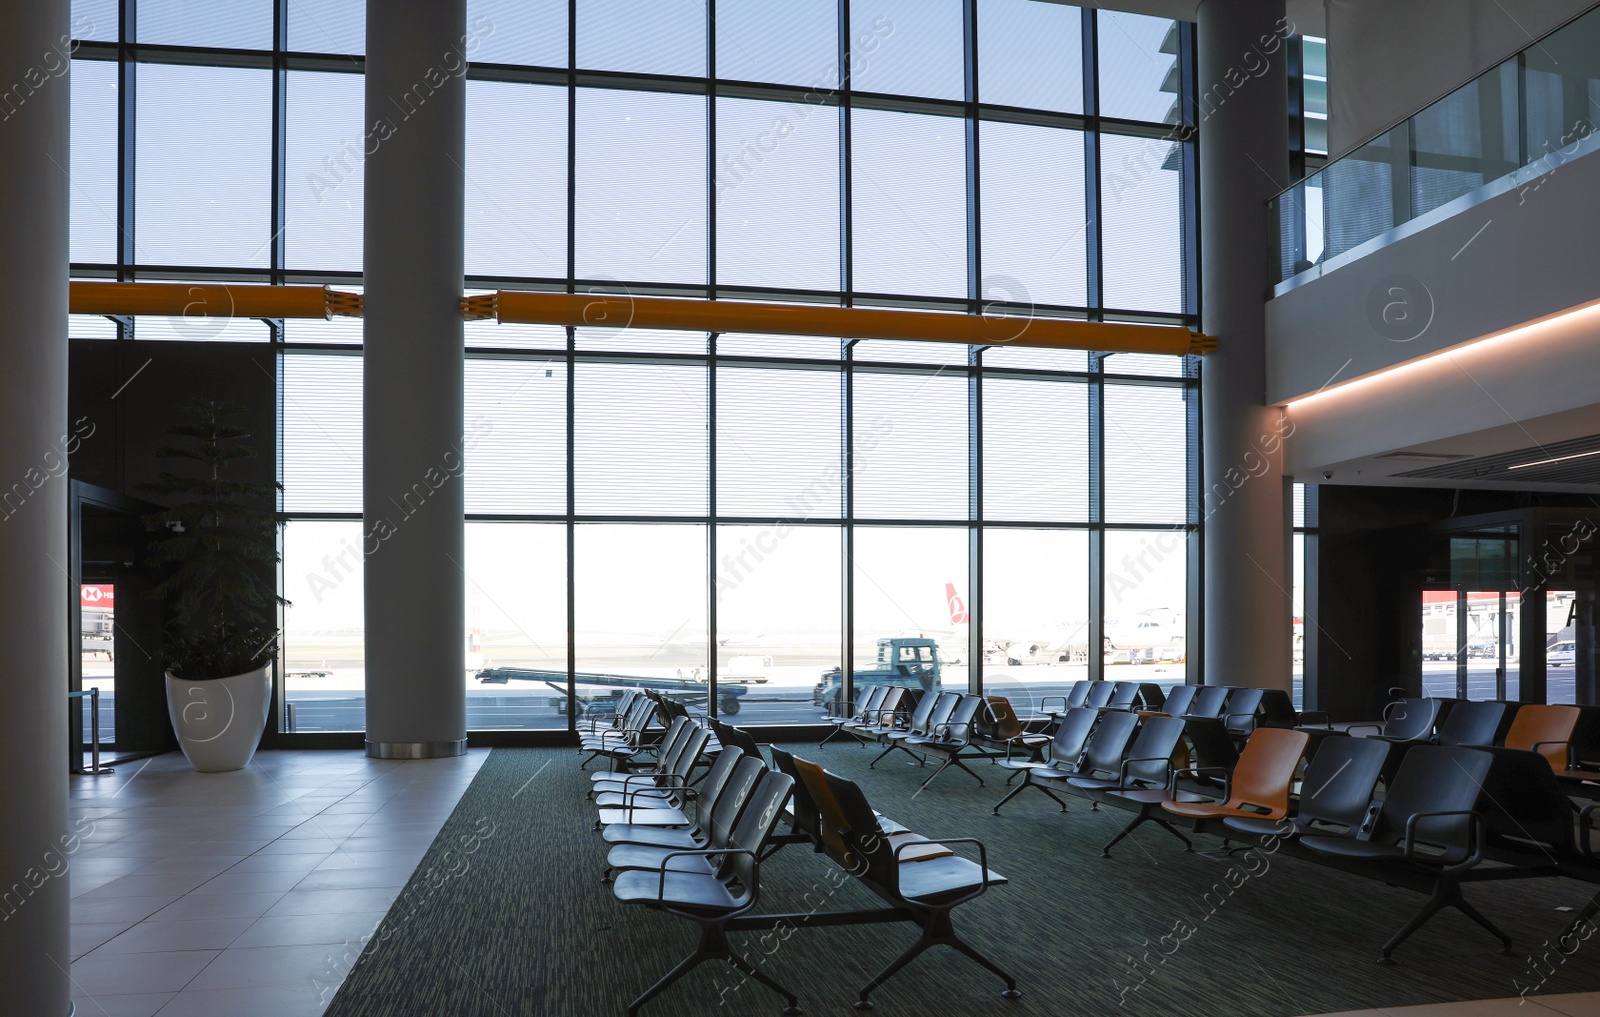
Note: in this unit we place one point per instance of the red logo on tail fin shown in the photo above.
(958, 607)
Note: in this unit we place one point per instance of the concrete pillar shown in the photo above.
(1243, 162)
(37, 844)
(412, 499)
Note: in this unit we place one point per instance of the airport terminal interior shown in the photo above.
(606, 507)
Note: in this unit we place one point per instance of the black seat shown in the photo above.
(919, 874)
(1178, 699)
(711, 886)
(647, 847)
(1277, 709)
(1335, 792)
(1429, 821)
(1064, 747)
(1471, 723)
(1209, 701)
(1102, 757)
(1410, 719)
(949, 739)
(865, 707)
(930, 714)
(1124, 696)
(1241, 712)
(1148, 762)
(1099, 694)
(1075, 697)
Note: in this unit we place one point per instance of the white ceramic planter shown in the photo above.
(219, 722)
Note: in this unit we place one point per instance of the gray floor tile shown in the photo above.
(159, 937)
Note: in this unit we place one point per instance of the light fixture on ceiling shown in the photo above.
(1557, 459)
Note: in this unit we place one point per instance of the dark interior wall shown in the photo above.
(122, 396)
(1372, 563)
(130, 392)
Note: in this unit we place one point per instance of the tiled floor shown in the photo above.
(243, 893)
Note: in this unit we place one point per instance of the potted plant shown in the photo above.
(216, 552)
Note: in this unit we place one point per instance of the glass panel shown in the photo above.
(324, 626)
(516, 436)
(905, 610)
(1360, 193)
(910, 223)
(1030, 54)
(1034, 225)
(1138, 58)
(1561, 646)
(1146, 455)
(659, 37)
(95, 20)
(792, 43)
(325, 152)
(910, 445)
(1035, 450)
(1297, 639)
(911, 47)
(777, 194)
(94, 161)
(322, 438)
(634, 225)
(778, 443)
(906, 351)
(1036, 615)
(97, 603)
(1441, 641)
(1142, 238)
(778, 612)
(641, 609)
(204, 166)
(528, 32)
(1150, 365)
(516, 618)
(1146, 592)
(516, 187)
(1457, 145)
(1563, 87)
(644, 340)
(328, 26)
(733, 344)
(1483, 644)
(1036, 359)
(640, 434)
(238, 24)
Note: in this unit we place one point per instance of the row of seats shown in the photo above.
(695, 849)
(1442, 810)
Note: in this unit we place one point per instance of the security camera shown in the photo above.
(1328, 475)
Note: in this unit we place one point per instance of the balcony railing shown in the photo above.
(1502, 131)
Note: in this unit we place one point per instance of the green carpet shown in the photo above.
(506, 916)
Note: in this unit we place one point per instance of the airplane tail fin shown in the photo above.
(958, 607)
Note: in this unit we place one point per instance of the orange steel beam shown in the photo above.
(623, 311)
(211, 300)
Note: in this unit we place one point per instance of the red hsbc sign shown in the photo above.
(96, 596)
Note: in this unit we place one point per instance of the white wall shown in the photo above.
(1389, 58)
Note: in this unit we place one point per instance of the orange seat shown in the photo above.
(1261, 780)
(1546, 730)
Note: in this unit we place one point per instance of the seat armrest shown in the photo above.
(1474, 831)
(1354, 727)
(1122, 773)
(1558, 741)
(983, 865)
(1585, 827)
(666, 866)
(1306, 715)
(1044, 704)
(1231, 717)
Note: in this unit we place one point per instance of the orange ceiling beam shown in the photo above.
(623, 311)
(211, 300)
